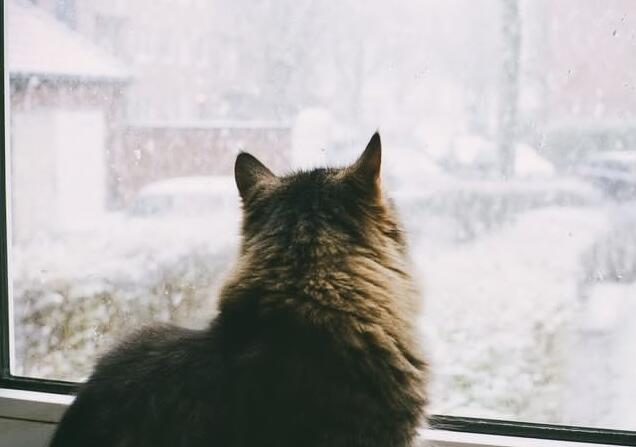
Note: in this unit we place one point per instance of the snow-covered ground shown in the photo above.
(498, 312)
(602, 362)
(510, 334)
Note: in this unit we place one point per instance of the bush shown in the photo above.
(72, 304)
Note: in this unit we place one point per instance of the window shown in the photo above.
(510, 149)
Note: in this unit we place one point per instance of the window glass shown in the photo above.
(509, 148)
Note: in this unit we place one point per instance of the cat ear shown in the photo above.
(367, 168)
(249, 173)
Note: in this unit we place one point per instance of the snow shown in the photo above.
(211, 124)
(223, 185)
(528, 162)
(476, 150)
(76, 293)
(310, 138)
(42, 46)
(498, 322)
(625, 157)
(603, 359)
(601, 311)
(471, 149)
(528, 281)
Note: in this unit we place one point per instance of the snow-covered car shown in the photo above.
(200, 207)
(614, 172)
(186, 197)
(174, 208)
(474, 156)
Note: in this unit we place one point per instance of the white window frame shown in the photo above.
(32, 407)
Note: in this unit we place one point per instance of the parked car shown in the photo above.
(474, 156)
(185, 210)
(614, 172)
(186, 197)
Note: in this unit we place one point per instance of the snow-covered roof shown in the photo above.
(214, 124)
(38, 44)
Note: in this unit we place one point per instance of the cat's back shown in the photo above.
(316, 376)
(160, 386)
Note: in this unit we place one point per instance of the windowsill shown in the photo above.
(33, 405)
(443, 438)
(40, 407)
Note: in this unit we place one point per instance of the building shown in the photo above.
(66, 112)
(171, 118)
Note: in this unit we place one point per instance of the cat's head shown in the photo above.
(316, 213)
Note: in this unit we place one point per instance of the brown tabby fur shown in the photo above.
(314, 343)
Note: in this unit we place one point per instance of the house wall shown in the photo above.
(33, 96)
(58, 173)
(152, 153)
(33, 190)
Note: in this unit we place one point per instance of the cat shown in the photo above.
(314, 343)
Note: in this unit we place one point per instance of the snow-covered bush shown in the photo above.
(612, 257)
(478, 207)
(75, 296)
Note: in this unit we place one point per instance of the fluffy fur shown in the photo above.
(313, 344)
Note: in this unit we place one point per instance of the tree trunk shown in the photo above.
(509, 86)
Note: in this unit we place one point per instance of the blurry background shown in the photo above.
(510, 149)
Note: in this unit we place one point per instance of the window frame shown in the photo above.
(63, 390)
